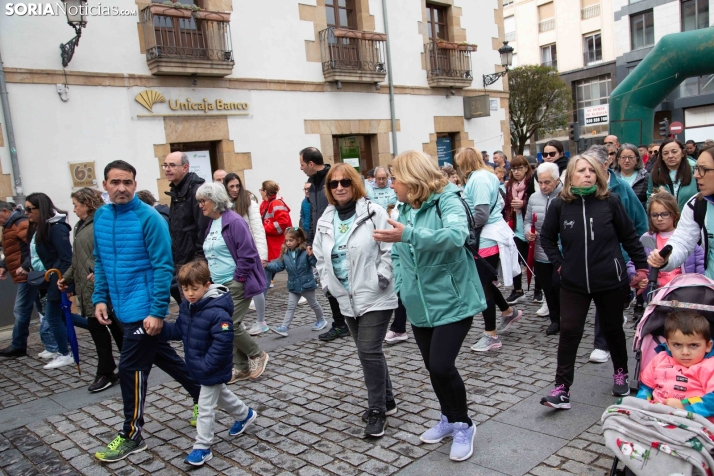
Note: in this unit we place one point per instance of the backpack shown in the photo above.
(699, 208)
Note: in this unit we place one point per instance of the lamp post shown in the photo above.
(76, 11)
(506, 53)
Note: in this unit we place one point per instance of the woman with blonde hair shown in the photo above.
(437, 282)
(497, 250)
(357, 271)
(591, 225)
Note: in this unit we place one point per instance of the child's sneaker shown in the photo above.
(258, 328)
(509, 320)
(621, 387)
(559, 397)
(463, 445)
(280, 330)
(439, 432)
(240, 426)
(319, 325)
(198, 457)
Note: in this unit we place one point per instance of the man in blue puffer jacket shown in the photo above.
(133, 267)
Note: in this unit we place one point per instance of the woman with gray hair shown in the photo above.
(235, 263)
(629, 168)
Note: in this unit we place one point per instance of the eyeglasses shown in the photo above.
(653, 152)
(345, 182)
(519, 168)
(201, 202)
(610, 154)
(655, 216)
(626, 158)
(28, 210)
(261, 190)
(307, 189)
(702, 171)
(550, 154)
(170, 166)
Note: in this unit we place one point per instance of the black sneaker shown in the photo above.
(10, 351)
(516, 297)
(391, 410)
(552, 329)
(559, 398)
(538, 296)
(334, 333)
(621, 386)
(376, 423)
(103, 382)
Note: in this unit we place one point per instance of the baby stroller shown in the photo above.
(686, 291)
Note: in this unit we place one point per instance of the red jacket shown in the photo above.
(276, 219)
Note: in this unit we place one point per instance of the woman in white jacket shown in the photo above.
(246, 205)
(357, 271)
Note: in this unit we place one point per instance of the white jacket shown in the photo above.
(367, 260)
(686, 237)
(502, 234)
(255, 223)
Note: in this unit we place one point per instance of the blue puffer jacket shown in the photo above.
(132, 261)
(300, 277)
(206, 329)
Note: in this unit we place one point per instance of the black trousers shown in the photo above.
(491, 292)
(102, 337)
(550, 279)
(574, 309)
(599, 341)
(522, 257)
(139, 352)
(439, 347)
(338, 320)
(399, 325)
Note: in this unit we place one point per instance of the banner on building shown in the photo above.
(200, 164)
(443, 150)
(597, 115)
(83, 174)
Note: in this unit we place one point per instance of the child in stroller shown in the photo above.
(674, 438)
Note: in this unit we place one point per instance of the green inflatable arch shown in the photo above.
(675, 58)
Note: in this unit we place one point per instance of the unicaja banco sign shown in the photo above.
(149, 99)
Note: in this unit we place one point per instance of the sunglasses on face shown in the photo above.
(550, 154)
(29, 210)
(345, 182)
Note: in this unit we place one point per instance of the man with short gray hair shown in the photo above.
(381, 193)
(499, 158)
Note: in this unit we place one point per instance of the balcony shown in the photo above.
(590, 12)
(546, 25)
(550, 64)
(185, 42)
(592, 57)
(353, 56)
(448, 65)
(510, 36)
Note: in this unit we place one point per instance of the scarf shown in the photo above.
(583, 191)
(518, 189)
(346, 211)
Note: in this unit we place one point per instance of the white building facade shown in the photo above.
(244, 86)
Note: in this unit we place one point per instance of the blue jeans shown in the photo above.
(47, 336)
(54, 318)
(24, 300)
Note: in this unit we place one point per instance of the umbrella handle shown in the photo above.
(48, 274)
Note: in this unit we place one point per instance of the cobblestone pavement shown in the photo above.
(310, 400)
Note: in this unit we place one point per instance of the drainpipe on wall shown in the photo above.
(19, 197)
(391, 81)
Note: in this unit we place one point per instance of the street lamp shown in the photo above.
(506, 53)
(76, 11)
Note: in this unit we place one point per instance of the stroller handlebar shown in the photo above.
(654, 272)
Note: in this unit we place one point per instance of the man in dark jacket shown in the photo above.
(187, 224)
(17, 250)
(312, 163)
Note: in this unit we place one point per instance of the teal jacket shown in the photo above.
(684, 193)
(434, 275)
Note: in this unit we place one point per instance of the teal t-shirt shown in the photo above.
(220, 261)
(35, 260)
(710, 232)
(675, 183)
(482, 189)
(519, 226)
(382, 196)
(340, 265)
(629, 180)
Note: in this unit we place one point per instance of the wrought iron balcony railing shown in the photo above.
(450, 63)
(592, 57)
(352, 55)
(179, 37)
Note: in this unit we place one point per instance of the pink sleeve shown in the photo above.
(648, 374)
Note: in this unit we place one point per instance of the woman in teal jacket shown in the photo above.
(436, 279)
(673, 173)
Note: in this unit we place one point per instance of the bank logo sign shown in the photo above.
(180, 102)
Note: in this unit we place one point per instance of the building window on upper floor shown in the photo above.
(589, 9)
(341, 14)
(509, 27)
(697, 86)
(592, 49)
(507, 3)
(695, 14)
(592, 92)
(642, 30)
(546, 17)
(436, 22)
(549, 56)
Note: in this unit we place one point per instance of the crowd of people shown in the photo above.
(432, 246)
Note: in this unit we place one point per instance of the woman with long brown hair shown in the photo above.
(673, 172)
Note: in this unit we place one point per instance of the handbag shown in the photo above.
(37, 278)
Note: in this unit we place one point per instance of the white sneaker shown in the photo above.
(60, 361)
(302, 300)
(46, 354)
(252, 305)
(543, 311)
(258, 328)
(393, 337)
(599, 356)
